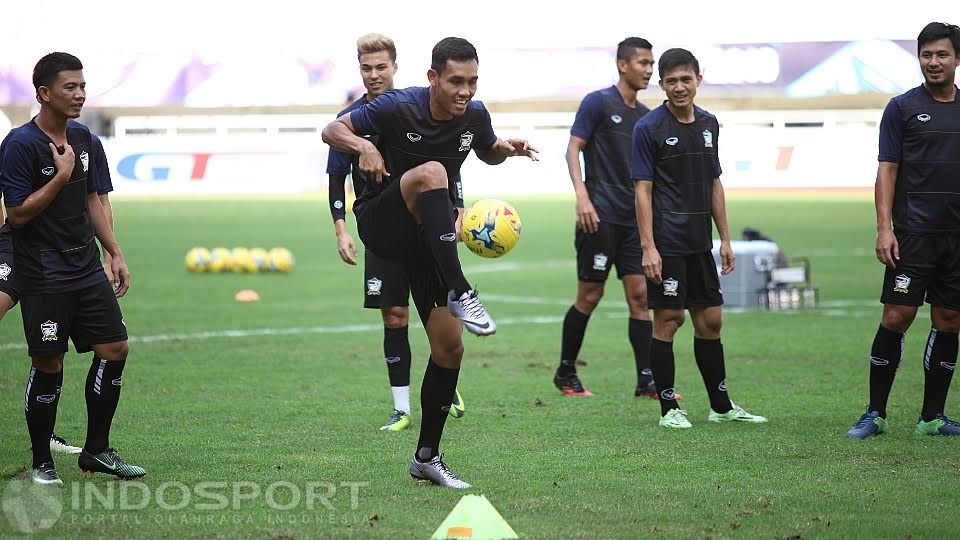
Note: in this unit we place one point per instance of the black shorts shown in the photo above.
(612, 244)
(387, 228)
(385, 283)
(929, 269)
(7, 282)
(89, 316)
(689, 281)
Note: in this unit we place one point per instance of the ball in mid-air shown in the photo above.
(491, 228)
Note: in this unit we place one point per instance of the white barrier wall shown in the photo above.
(284, 154)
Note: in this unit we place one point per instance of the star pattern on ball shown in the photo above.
(483, 234)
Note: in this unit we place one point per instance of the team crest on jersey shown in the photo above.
(85, 161)
(707, 139)
(373, 287)
(901, 283)
(616, 118)
(599, 261)
(672, 141)
(923, 117)
(414, 137)
(49, 331)
(670, 286)
(466, 141)
(5, 271)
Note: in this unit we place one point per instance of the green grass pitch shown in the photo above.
(289, 404)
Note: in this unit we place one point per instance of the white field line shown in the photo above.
(829, 311)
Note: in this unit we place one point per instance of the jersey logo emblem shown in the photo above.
(599, 261)
(670, 286)
(414, 137)
(338, 204)
(672, 141)
(85, 161)
(5, 271)
(616, 118)
(373, 287)
(923, 117)
(901, 283)
(49, 331)
(47, 171)
(466, 140)
(707, 139)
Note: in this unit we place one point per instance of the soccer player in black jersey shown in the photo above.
(606, 230)
(918, 232)
(8, 289)
(386, 285)
(678, 191)
(54, 209)
(407, 214)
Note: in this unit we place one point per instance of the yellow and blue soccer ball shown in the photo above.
(261, 259)
(221, 260)
(242, 261)
(281, 260)
(491, 228)
(198, 260)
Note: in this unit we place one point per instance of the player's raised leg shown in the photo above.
(425, 192)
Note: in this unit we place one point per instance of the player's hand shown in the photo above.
(347, 248)
(64, 162)
(108, 268)
(121, 275)
(371, 162)
(888, 249)
(727, 258)
(652, 264)
(587, 219)
(517, 147)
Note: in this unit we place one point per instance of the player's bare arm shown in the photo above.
(888, 250)
(652, 263)
(502, 149)
(341, 135)
(39, 200)
(109, 243)
(346, 247)
(719, 210)
(587, 219)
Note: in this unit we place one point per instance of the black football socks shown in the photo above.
(885, 357)
(102, 393)
(710, 361)
(40, 405)
(574, 327)
(436, 217)
(640, 333)
(436, 395)
(664, 373)
(939, 361)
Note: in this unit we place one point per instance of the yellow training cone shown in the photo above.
(474, 517)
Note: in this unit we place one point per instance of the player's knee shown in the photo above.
(946, 320)
(898, 320)
(709, 328)
(432, 175)
(395, 317)
(589, 296)
(48, 364)
(637, 302)
(669, 322)
(448, 355)
(113, 351)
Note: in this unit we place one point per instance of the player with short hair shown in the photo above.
(918, 233)
(407, 214)
(53, 207)
(677, 172)
(606, 229)
(386, 285)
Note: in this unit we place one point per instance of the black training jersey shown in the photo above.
(681, 161)
(410, 136)
(922, 135)
(606, 123)
(54, 252)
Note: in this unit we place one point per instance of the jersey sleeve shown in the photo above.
(717, 170)
(338, 162)
(371, 118)
(101, 169)
(642, 153)
(891, 134)
(487, 138)
(93, 185)
(15, 174)
(588, 116)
